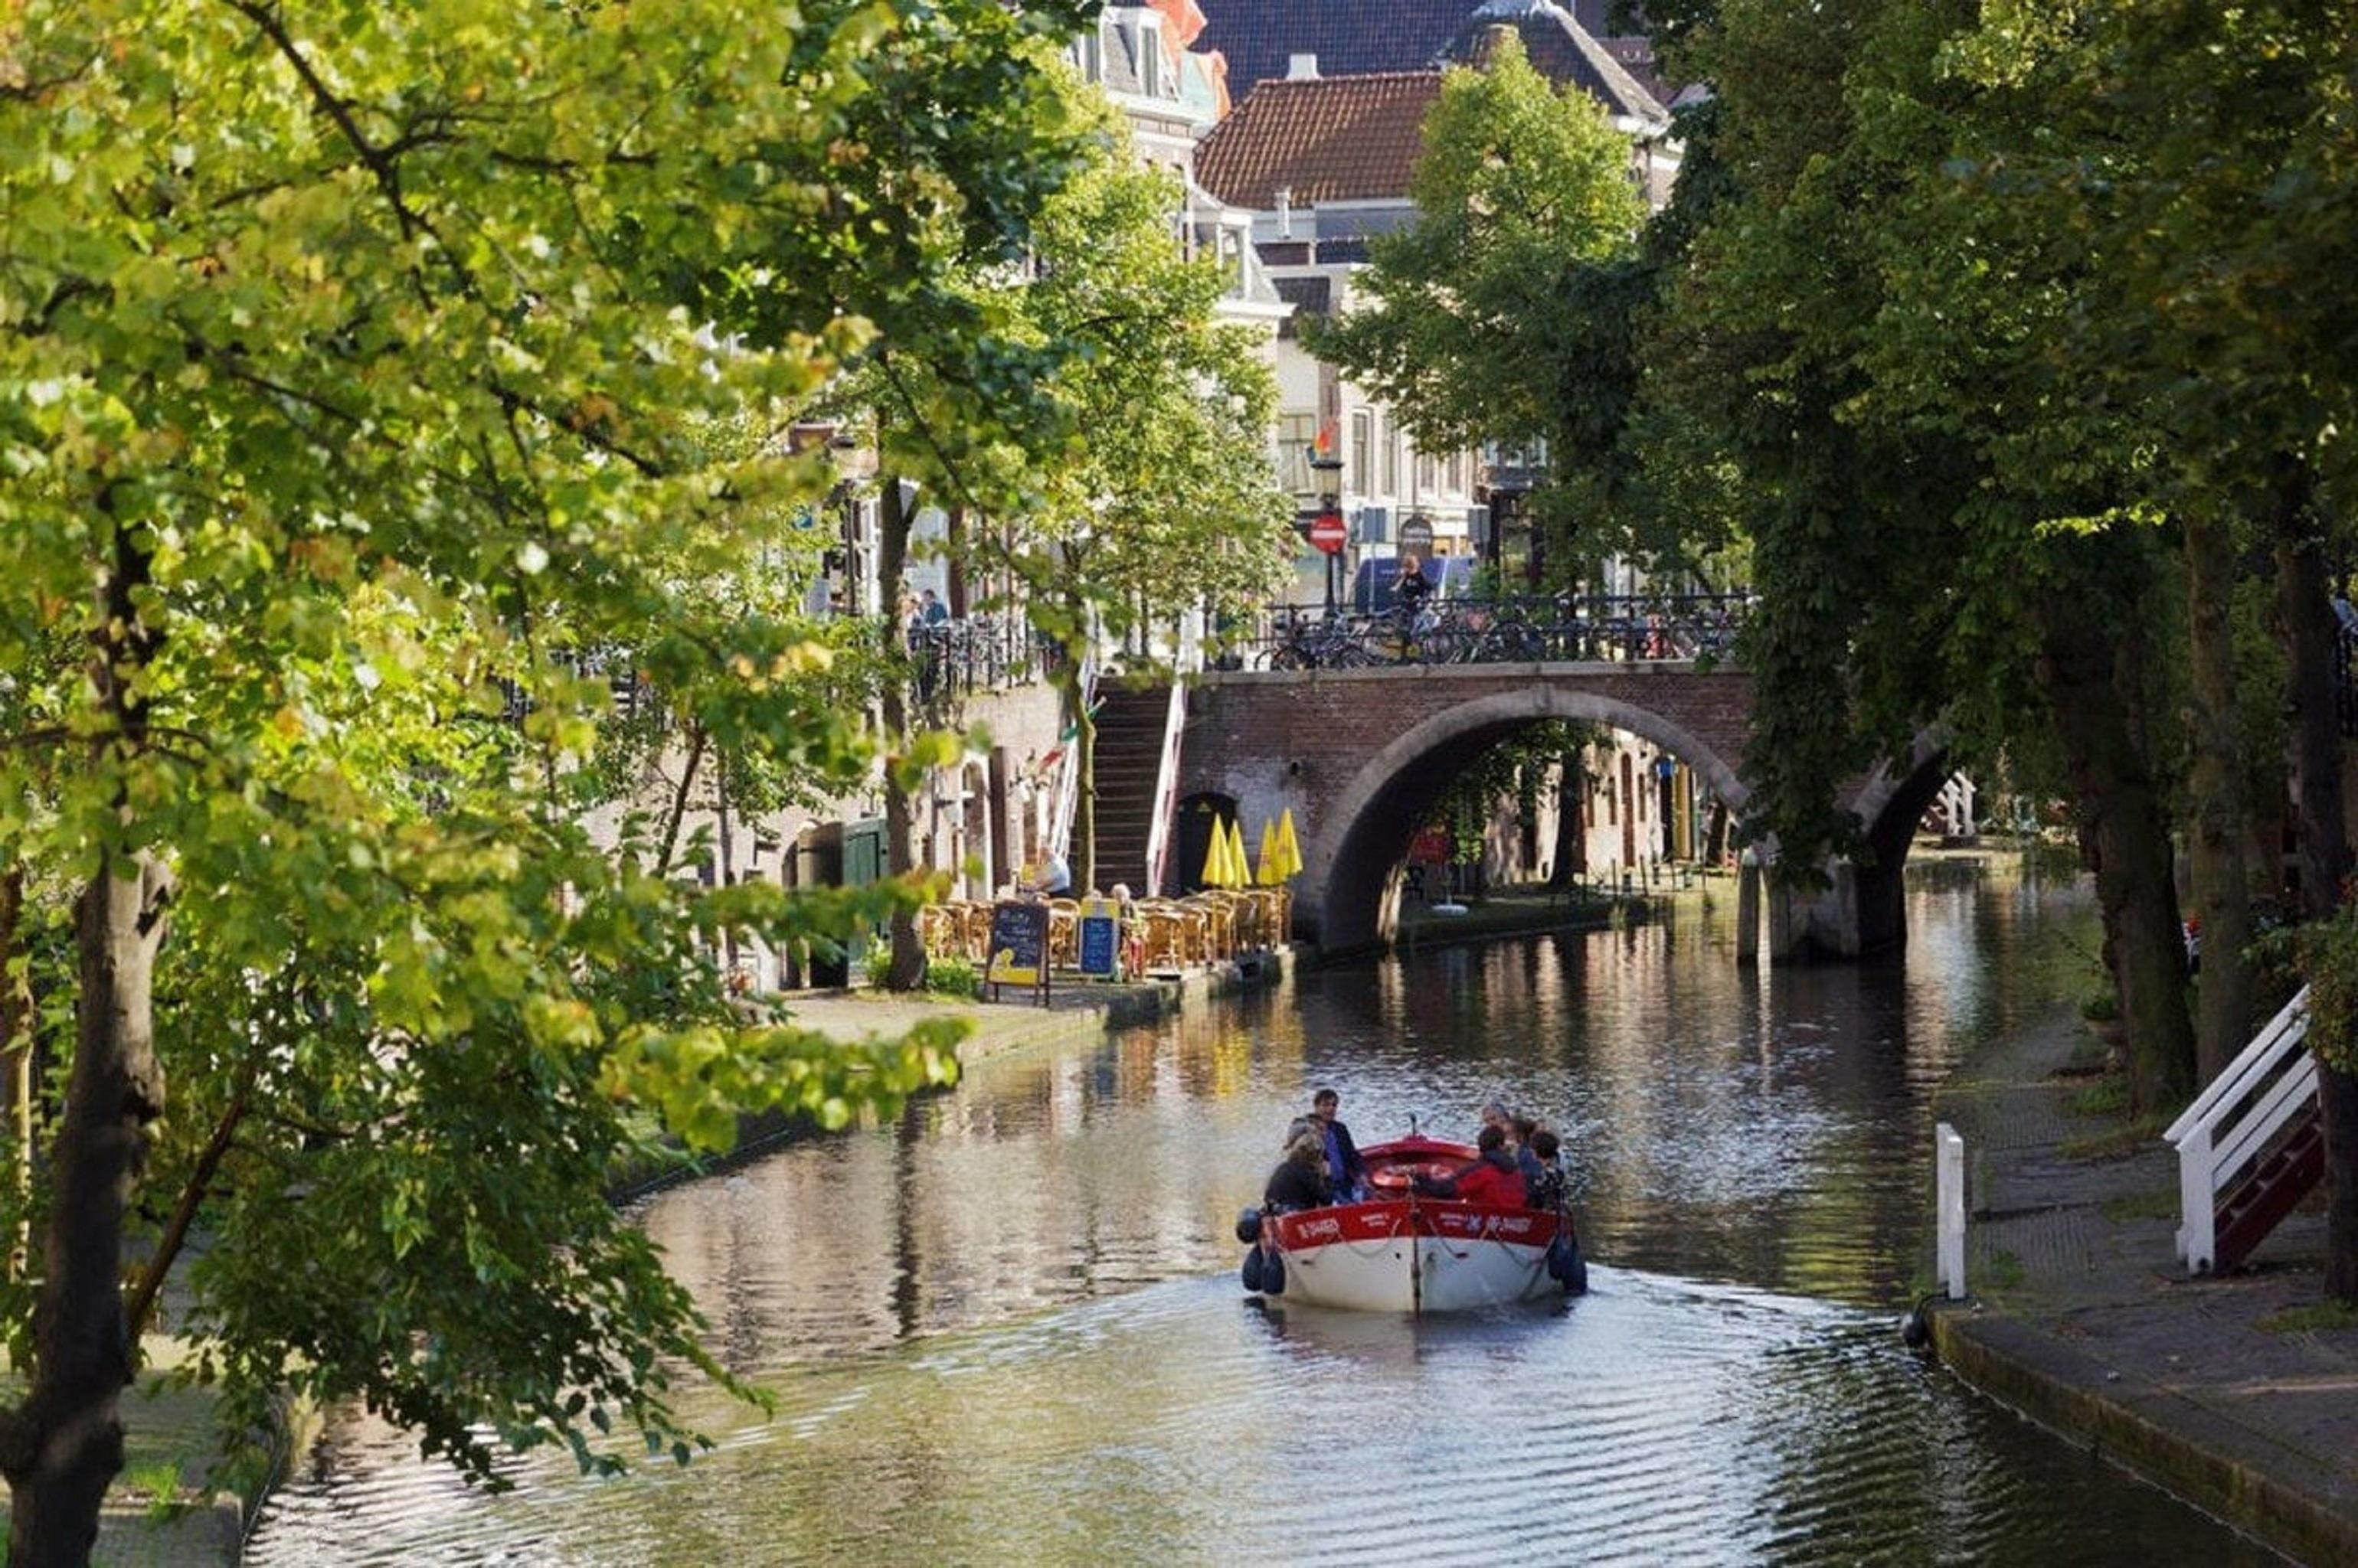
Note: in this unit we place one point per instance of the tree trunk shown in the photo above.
(1570, 842)
(2305, 608)
(908, 971)
(1082, 855)
(17, 1060)
(2089, 667)
(2220, 797)
(955, 552)
(64, 1445)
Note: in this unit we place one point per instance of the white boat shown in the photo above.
(1404, 1252)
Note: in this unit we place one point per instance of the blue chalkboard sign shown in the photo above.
(1100, 939)
(1019, 944)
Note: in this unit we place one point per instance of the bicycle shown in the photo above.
(1327, 643)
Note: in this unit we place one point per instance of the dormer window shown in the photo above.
(1149, 36)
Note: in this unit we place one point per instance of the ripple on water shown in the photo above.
(1655, 1421)
(1006, 1327)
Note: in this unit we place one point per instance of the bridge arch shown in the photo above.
(1347, 871)
(1866, 910)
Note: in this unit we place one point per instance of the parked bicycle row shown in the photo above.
(1498, 631)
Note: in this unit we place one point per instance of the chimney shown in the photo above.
(1302, 67)
(1285, 212)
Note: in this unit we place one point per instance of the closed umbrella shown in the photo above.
(1288, 846)
(1271, 870)
(1216, 857)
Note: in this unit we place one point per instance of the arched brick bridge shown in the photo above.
(1361, 756)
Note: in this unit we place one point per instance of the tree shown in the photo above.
(1999, 237)
(1166, 500)
(354, 368)
(1934, 508)
(941, 168)
(2202, 162)
(1495, 315)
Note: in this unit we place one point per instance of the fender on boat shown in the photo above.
(1566, 1267)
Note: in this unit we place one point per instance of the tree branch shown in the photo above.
(176, 1234)
(679, 802)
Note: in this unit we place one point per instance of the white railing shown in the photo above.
(2232, 1124)
(1167, 772)
(1067, 797)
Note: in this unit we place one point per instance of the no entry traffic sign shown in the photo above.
(1327, 531)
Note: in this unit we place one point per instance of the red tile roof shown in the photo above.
(1339, 138)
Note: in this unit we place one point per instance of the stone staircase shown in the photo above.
(1128, 761)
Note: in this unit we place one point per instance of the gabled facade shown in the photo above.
(1262, 40)
(1323, 163)
(1324, 160)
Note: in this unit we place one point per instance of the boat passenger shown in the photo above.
(1551, 1187)
(1300, 1180)
(1492, 1179)
(1496, 1115)
(1344, 1169)
(1521, 1130)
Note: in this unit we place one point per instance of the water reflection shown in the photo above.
(1006, 1327)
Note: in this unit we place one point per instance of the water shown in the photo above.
(1007, 1328)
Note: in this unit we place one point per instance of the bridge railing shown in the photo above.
(1487, 631)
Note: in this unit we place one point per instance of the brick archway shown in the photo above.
(1360, 756)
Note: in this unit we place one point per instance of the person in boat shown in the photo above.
(1496, 1114)
(1521, 1130)
(1300, 1180)
(1492, 1179)
(1344, 1169)
(1550, 1187)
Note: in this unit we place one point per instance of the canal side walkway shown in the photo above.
(1076, 1010)
(2237, 1393)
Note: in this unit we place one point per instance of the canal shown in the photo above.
(1007, 1328)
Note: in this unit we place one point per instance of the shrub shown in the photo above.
(954, 977)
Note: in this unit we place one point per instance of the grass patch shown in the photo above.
(2108, 1098)
(2092, 1057)
(2116, 1143)
(2312, 1318)
(158, 1486)
(2160, 1204)
(2001, 1271)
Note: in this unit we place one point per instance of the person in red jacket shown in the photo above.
(1494, 1180)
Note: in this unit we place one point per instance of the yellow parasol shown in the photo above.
(1271, 870)
(1289, 847)
(1236, 871)
(1216, 857)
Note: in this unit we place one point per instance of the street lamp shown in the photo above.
(1326, 530)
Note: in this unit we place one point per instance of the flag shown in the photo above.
(1323, 446)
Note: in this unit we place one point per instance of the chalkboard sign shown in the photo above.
(1100, 939)
(1019, 944)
